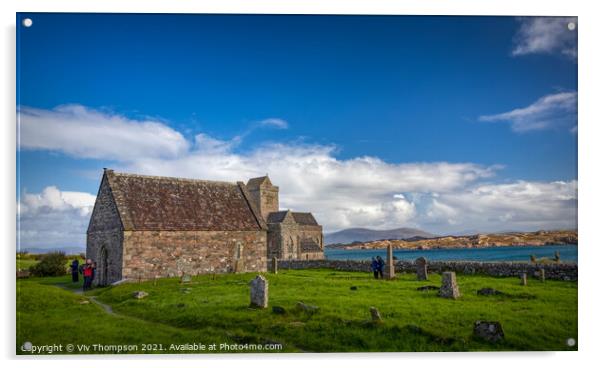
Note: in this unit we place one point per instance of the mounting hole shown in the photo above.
(571, 26)
(570, 342)
(27, 22)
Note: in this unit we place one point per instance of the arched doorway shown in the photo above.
(103, 272)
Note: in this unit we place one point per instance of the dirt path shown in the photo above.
(107, 308)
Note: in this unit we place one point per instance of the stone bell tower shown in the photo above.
(264, 195)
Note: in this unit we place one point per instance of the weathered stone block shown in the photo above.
(421, 269)
(259, 292)
(390, 266)
(375, 315)
(449, 286)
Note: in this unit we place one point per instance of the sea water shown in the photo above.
(568, 253)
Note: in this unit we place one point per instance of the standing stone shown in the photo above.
(259, 292)
(274, 265)
(523, 279)
(421, 269)
(375, 314)
(542, 275)
(390, 270)
(449, 286)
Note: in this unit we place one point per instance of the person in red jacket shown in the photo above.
(88, 272)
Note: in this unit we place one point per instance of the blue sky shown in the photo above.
(494, 94)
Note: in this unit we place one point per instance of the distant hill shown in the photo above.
(67, 250)
(363, 235)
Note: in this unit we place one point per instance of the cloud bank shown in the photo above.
(366, 191)
(547, 35)
(548, 112)
(54, 218)
(86, 133)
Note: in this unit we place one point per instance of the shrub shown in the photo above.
(51, 264)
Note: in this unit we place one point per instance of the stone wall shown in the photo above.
(149, 254)
(104, 237)
(561, 271)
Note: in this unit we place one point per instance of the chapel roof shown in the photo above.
(166, 203)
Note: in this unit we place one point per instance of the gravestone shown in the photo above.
(449, 286)
(186, 278)
(523, 279)
(375, 314)
(421, 269)
(490, 331)
(274, 265)
(140, 294)
(542, 275)
(390, 269)
(259, 292)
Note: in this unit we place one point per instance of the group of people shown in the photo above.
(377, 266)
(87, 270)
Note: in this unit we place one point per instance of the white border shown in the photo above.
(590, 155)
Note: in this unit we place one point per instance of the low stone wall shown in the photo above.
(559, 271)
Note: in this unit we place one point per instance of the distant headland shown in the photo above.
(537, 238)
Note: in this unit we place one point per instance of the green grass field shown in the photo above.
(540, 316)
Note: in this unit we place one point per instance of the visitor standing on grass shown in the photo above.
(75, 270)
(88, 272)
(374, 267)
(381, 266)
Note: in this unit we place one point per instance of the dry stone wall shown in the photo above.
(560, 271)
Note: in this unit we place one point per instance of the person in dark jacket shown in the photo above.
(75, 270)
(374, 267)
(381, 266)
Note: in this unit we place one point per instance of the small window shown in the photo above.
(239, 249)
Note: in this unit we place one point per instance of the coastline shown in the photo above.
(514, 239)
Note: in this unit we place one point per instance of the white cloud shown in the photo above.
(357, 192)
(362, 191)
(54, 218)
(274, 123)
(520, 205)
(88, 133)
(546, 35)
(549, 112)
